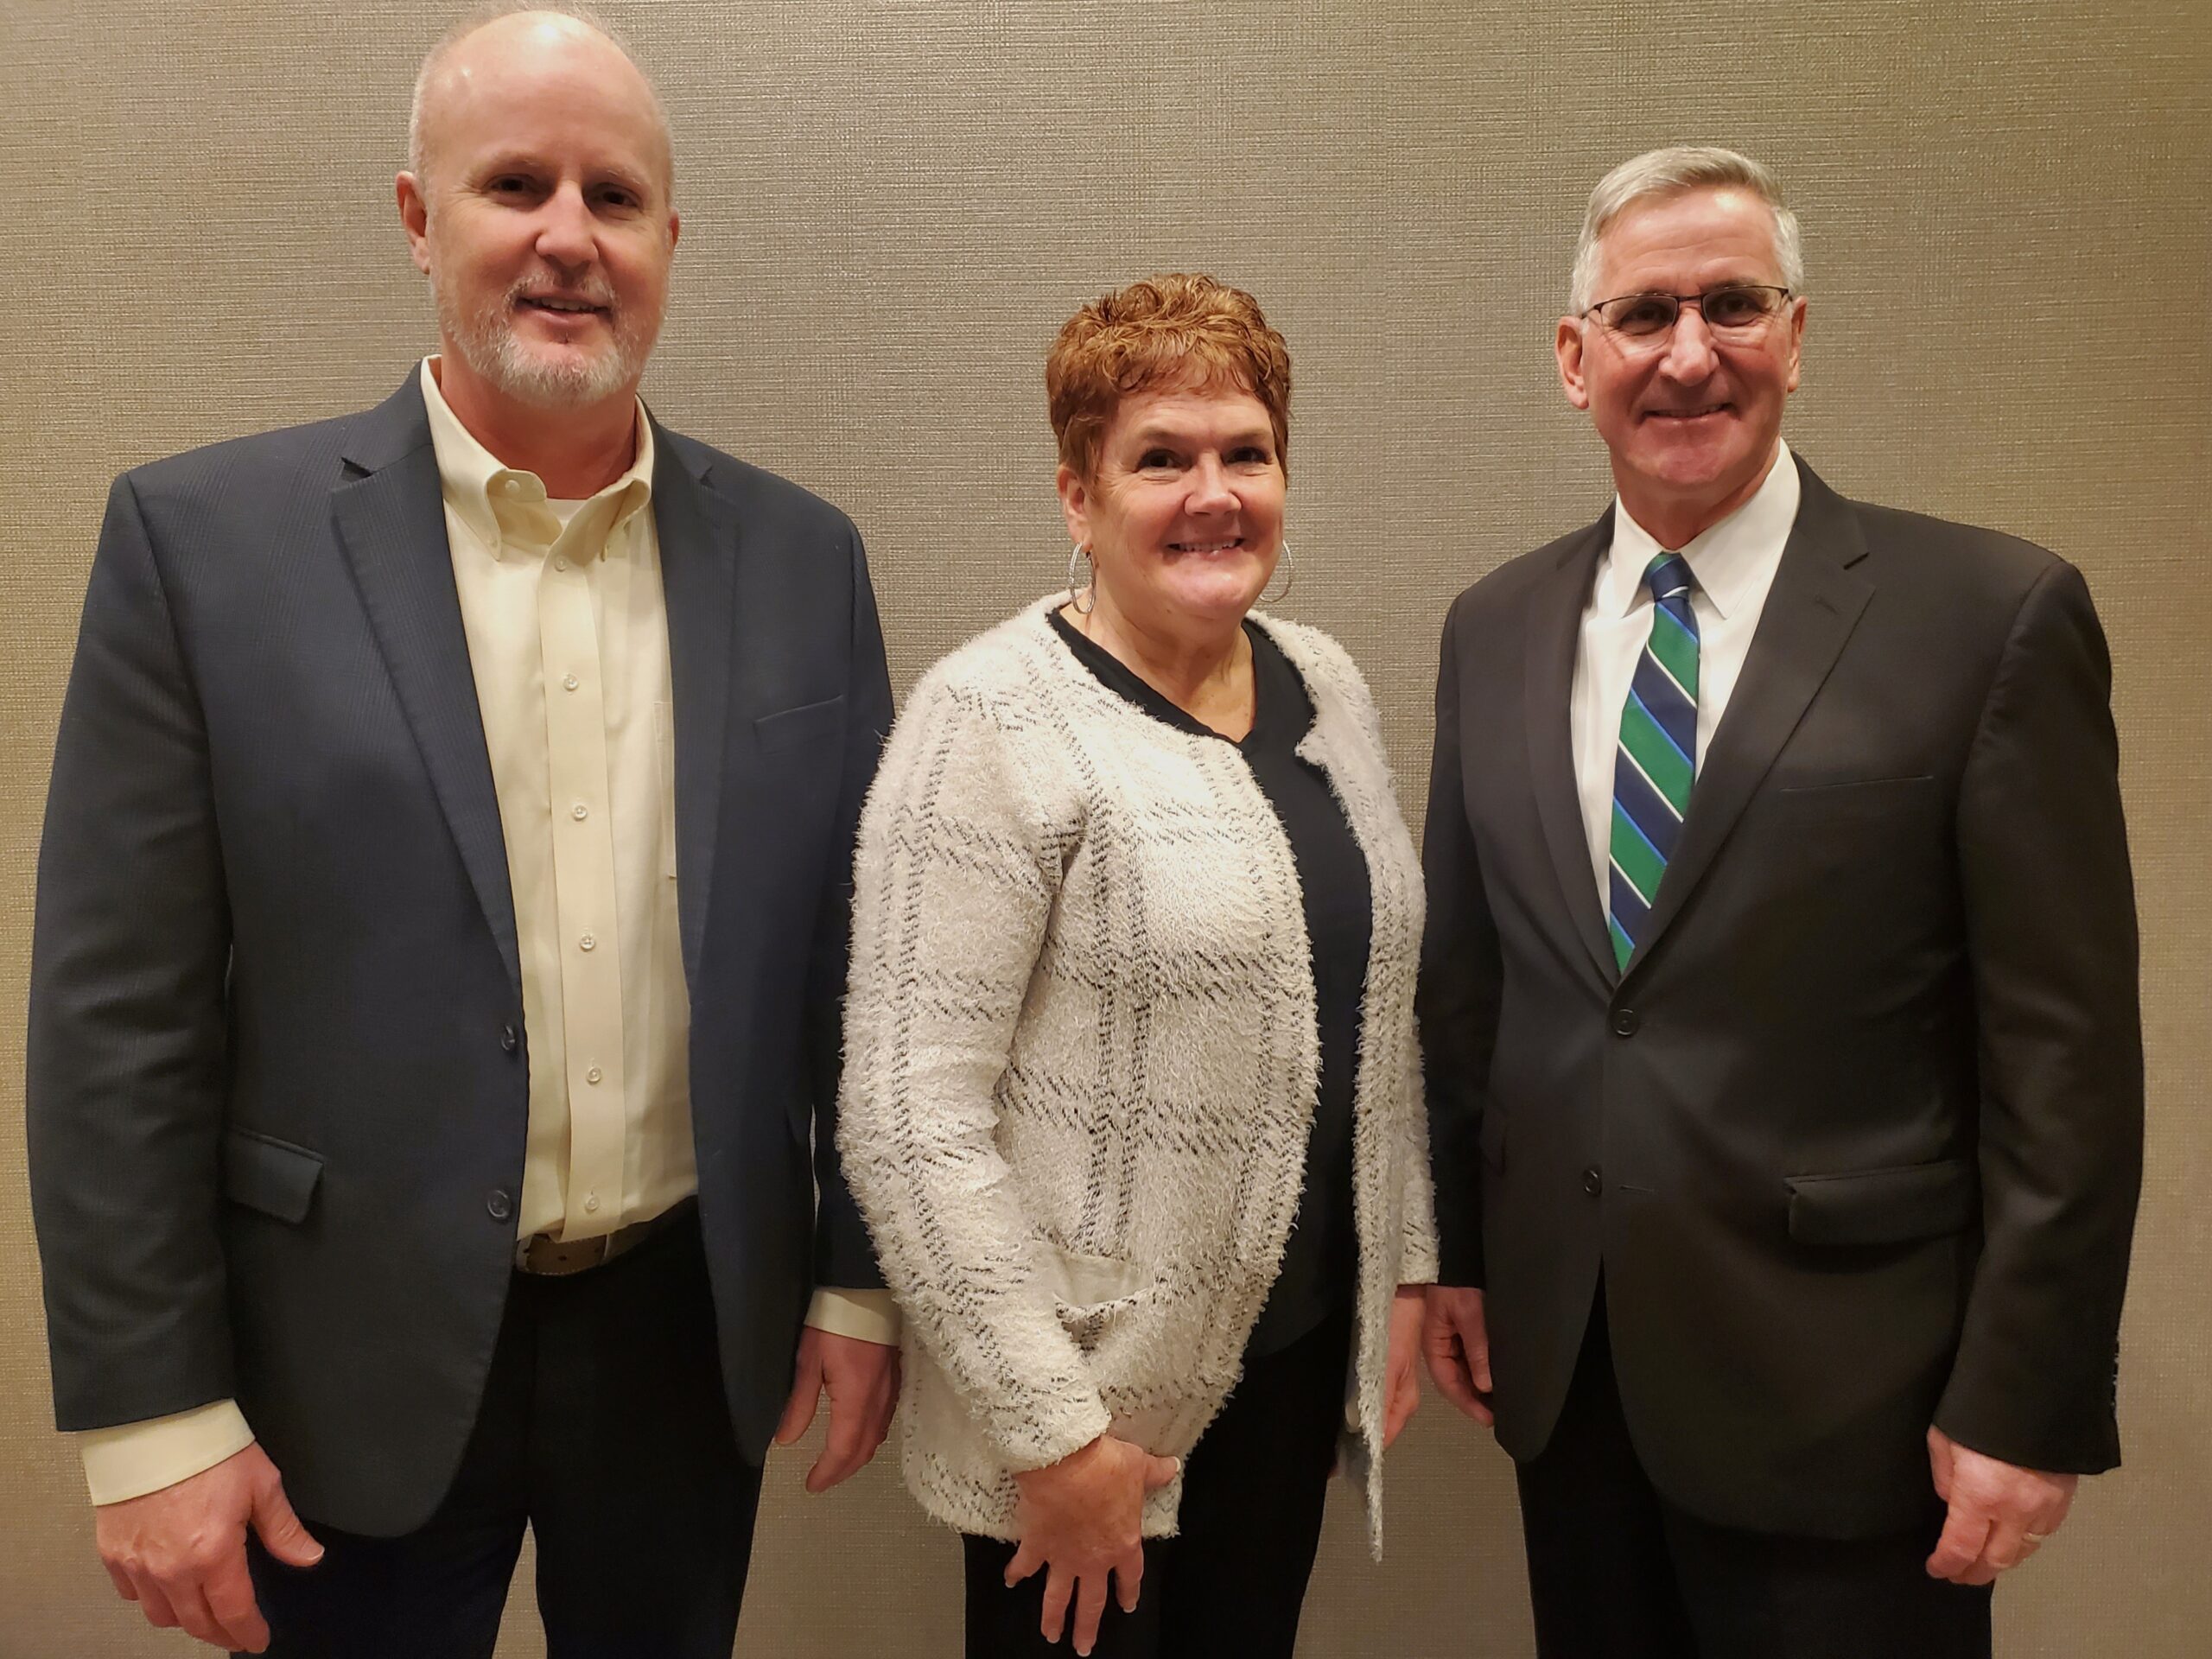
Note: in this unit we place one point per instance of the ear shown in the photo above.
(675, 228)
(414, 214)
(1796, 337)
(1075, 504)
(1566, 344)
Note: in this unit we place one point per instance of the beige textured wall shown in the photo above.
(888, 209)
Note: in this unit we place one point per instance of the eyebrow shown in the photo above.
(1169, 435)
(528, 161)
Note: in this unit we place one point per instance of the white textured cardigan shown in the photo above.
(1081, 1063)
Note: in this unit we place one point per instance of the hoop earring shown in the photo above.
(1289, 577)
(1082, 551)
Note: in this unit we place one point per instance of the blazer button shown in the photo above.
(1593, 1181)
(500, 1206)
(508, 1040)
(1625, 1022)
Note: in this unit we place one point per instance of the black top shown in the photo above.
(1320, 1262)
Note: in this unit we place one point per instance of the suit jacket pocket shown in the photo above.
(1854, 800)
(272, 1176)
(1882, 1206)
(810, 722)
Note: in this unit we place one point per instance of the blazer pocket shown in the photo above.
(807, 723)
(1492, 1138)
(272, 1176)
(1882, 1206)
(1855, 799)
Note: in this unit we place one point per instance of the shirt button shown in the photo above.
(1593, 1181)
(509, 1040)
(568, 682)
(512, 486)
(588, 943)
(591, 1202)
(1625, 1022)
(560, 564)
(593, 1076)
(580, 812)
(500, 1206)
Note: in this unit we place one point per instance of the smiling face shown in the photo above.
(1692, 421)
(542, 216)
(1184, 512)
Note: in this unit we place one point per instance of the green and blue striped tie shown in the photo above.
(1656, 761)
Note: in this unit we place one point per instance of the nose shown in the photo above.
(565, 231)
(1690, 357)
(1210, 490)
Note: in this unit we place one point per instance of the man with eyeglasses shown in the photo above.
(1778, 1002)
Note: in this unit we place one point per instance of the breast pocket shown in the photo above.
(809, 725)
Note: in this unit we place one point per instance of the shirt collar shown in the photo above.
(506, 507)
(1730, 560)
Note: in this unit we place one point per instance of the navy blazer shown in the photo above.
(278, 1076)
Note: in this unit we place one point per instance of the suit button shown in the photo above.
(500, 1206)
(1625, 1022)
(508, 1040)
(1594, 1182)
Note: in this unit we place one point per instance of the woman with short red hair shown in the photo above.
(1131, 1097)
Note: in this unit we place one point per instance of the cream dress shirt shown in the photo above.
(1733, 563)
(568, 641)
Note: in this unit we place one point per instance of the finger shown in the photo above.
(282, 1533)
(798, 1410)
(1158, 1472)
(121, 1580)
(1959, 1545)
(844, 1449)
(230, 1599)
(1479, 1361)
(1405, 1400)
(1089, 1608)
(1128, 1577)
(154, 1601)
(1026, 1560)
(1939, 1463)
(191, 1609)
(1059, 1586)
(2006, 1547)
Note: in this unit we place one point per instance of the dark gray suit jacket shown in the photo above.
(279, 1079)
(1856, 1137)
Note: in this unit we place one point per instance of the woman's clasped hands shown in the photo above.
(1079, 1520)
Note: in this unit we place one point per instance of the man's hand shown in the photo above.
(1402, 1368)
(1999, 1512)
(1080, 1519)
(180, 1553)
(1457, 1344)
(862, 1379)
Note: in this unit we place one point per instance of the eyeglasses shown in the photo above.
(1734, 311)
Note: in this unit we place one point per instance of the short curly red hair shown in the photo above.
(1164, 332)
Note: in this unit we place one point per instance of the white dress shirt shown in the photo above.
(1733, 564)
(567, 625)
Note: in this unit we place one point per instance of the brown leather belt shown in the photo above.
(543, 1253)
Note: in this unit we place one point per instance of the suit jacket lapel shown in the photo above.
(1555, 636)
(391, 520)
(1810, 611)
(698, 532)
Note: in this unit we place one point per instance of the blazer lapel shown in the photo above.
(391, 520)
(1810, 611)
(1554, 635)
(697, 528)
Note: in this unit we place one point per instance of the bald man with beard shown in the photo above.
(441, 922)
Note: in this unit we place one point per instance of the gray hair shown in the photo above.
(480, 17)
(1670, 172)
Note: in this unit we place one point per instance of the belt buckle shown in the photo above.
(548, 1257)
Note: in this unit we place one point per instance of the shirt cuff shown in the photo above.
(132, 1459)
(870, 1315)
